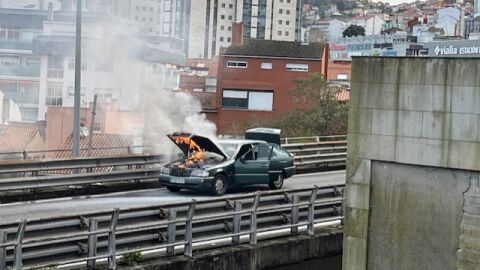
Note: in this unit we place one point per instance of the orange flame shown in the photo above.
(197, 152)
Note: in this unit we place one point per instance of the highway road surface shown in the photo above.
(143, 198)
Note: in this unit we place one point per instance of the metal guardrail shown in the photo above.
(42, 154)
(92, 236)
(315, 152)
(88, 164)
(30, 175)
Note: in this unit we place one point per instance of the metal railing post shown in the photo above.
(171, 230)
(3, 250)
(237, 221)
(17, 256)
(253, 220)
(92, 242)
(311, 211)
(188, 230)
(112, 263)
(295, 210)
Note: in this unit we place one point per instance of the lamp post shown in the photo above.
(78, 74)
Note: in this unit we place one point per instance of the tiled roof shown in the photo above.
(15, 138)
(103, 145)
(275, 48)
(343, 95)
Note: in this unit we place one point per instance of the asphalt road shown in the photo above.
(138, 198)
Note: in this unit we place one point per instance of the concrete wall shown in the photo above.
(417, 115)
(268, 254)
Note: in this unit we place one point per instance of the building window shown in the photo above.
(280, 21)
(230, 17)
(9, 61)
(54, 94)
(151, 9)
(297, 67)
(144, 8)
(137, 8)
(279, 33)
(237, 64)
(287, 22)
(222, 27)
(248, 100)
(222, 17)
(342, 77)
(10, 33)
(280, 11)
(229, 28)
(223, 5)
(266, 65)
(229, 39)
(221, 39)
(286, 33)
(288, 11)
(55, 67)
(230, 6)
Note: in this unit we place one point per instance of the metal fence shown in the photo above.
(31, 175)
(90, 237)
(317, 152)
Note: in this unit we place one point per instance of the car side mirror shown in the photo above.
(242, 159)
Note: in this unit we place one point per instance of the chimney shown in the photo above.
(237, 33)
(50, 11)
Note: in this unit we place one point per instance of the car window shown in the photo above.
(263, 151)
(246, 152)
(278, 152)
(229, 148)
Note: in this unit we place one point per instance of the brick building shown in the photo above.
(256, 76)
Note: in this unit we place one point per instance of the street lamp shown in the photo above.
(78, 74)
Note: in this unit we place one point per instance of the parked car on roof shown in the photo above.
(217, 166)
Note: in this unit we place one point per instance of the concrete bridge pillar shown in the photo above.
(413, 196)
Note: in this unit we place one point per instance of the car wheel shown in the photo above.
(174, 189)
(277, 183)
(219, 185)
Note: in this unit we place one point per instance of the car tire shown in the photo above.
(174, 189)
(219, 185)
(277, 183)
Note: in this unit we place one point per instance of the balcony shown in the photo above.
(15, 44)
(22, 71)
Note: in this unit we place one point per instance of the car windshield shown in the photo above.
(229, 148)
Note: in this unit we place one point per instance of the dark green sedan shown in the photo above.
(215, 167)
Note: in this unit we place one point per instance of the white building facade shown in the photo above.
(210, 25)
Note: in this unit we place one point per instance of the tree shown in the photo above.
(353, 31)
(318, 112)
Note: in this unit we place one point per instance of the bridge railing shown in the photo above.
(91, 237)
(315, 152)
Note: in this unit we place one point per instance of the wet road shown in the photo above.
(140, 198)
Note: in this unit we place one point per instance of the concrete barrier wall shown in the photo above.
(408, 118)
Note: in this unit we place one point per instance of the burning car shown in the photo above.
(216, 166)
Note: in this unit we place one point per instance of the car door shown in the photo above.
(278, 161)
(252, 166)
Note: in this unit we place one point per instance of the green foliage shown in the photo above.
(353, 31)
(131, 259)
(318, 110)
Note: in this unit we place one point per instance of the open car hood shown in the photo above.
(190, 141)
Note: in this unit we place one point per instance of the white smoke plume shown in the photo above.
(143, 87)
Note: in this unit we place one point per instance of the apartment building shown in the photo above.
(19, 66)
(210, 26)
(37, 61)
(255, 78)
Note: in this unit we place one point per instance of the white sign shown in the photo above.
(451, 50)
